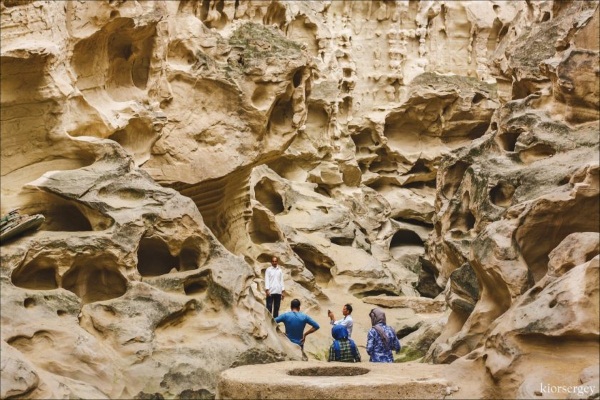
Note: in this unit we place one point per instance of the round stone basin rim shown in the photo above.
(329, 371)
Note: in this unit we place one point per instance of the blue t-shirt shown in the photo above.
(295, 321)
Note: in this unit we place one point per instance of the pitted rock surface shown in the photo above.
(437, 158)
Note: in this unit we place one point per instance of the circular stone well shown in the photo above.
(328, 371)
(333, 380)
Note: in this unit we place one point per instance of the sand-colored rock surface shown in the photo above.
(417, 304)
(335, 380)
(436, 158)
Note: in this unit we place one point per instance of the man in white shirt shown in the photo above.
(274, 287)
(346, 321)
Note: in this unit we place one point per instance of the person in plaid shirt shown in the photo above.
(342, 349)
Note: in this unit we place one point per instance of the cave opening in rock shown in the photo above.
(262, 229)
(197, 285)
(39, 273)
(383, 165)
(405, 237)
(467, 222)
(453, 178)
(129, 52)
(419, 167)
(477, 98)
(193, 254)
(267, 195)
(280, 120)
(342, 241)
(154, 257)
(317, 263)
(502, 193)
(478, 131)
(297, 78)
(406, 242)
(63, 215)
(364, 139)
(116, 58)
(323, 190)
(508, 140)
(13, 3)
(95, 279)
(275, 15)
(462, 219)
(205, 7)
(358, 290)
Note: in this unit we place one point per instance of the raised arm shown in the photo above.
(308, 332)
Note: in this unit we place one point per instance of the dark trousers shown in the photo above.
(273, 303)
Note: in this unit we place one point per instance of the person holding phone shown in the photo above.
(347, 321)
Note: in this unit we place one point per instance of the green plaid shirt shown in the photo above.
(345, 352)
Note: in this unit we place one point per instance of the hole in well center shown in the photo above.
(328, 371)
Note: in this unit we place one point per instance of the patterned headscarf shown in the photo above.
(377, 316)
(377, 320)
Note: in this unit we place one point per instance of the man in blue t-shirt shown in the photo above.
(295, 321)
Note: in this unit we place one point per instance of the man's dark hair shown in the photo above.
(295, 304)
(349, 308)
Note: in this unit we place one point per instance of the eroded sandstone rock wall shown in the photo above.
(517, 216)
(435, 148)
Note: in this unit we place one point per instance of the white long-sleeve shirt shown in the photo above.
(274, 280)
(347, 322)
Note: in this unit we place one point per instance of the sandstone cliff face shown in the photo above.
(518, 210)
(427, 148)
